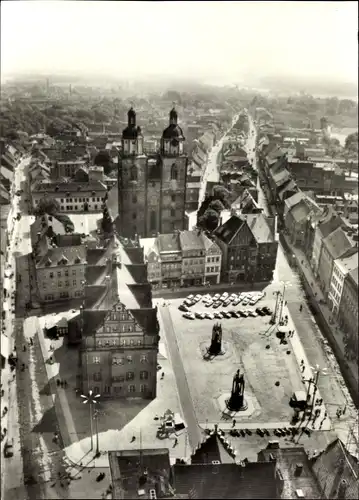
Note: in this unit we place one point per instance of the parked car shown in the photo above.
(260, 432)
(245, 302)
(188, 302)
(242, 313)
(209, 303)
(252, 313)
(226, 314)
(226, 303)
(218, 315)
(266, 310)
(209, 315)
(260, 312)
(199, 315)
(233, 314)
(197, 298)
(254, 300)
(190, 297)
(224, 296)
(8, 448)
(189, 315)
(216, 297)
(183, 308)
(236, 302)
(216, 305)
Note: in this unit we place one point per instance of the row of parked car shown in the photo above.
(239, 313)
(285, 431)
(224, 300)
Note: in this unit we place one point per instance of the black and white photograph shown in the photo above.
(179, 250)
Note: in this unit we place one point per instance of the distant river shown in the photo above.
(342, 133)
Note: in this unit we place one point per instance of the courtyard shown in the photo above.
(271, 370)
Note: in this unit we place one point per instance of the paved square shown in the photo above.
(245, 341)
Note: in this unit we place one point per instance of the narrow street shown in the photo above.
(189, 415)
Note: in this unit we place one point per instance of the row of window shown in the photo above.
(212, 269)
(81, 200)
(119, 360)
(120, 388)
(77, 207)
(63, 295)
(59, 284)
(121, 378)
(213, 259)
(119, 328)
(120, 342)
(65, 273)
(193, 262)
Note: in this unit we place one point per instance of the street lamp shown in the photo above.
(317, 370)
(274, 315)
(92, 399)
(285, 284)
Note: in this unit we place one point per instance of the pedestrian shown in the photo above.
(300, 308)
(2, 393)
(176, 442)
(285, 303)
(24, 348)
(302, 362)
(58, 382)
(162, 375)
(61, 383)
(234, 422)
(65, 383)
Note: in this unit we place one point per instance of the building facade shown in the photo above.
(348, 311)
(193, 258)
(329, 222)
(119, 327)
(213, 263)
(72, 196)
(249, 249)
(152, 188)
(341, 268)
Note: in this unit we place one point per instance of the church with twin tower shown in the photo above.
(151, 188)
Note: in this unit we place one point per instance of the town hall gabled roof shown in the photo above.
(213, 448)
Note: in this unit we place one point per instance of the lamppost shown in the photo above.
(285, 285)
(317, 370)
(92, 399)
(274, 315)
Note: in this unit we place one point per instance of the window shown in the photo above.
(133, 173)
(131, 388)
(122, 342)
(134, 216)
(64, 295)
(143, 388)
(174, 172)
(97, 376)
(60, 284)
(59, 274)
(139, 342)
(144, 375)
(129, 359)
(130, 375)
(173, 197)
(51, 275)
(78, 293)
(173, 212)
(96, 360)
(153, 220)
(144, 358)
(117, 361)
(74, 282)
(66, 272)
(67, 283)
(134, 199)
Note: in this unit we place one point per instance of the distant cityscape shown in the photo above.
(179, 290)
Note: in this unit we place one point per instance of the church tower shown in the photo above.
(132, 181)
(173, 177)
(151, 189)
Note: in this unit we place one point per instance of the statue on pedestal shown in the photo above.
(216, 342)
(236, 401)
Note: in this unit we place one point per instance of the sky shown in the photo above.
(213, 41)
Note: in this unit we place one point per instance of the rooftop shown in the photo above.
(191, 240)
(64, 256)
(168, 243)
(337, 243)
(347, 264)
(71, 187)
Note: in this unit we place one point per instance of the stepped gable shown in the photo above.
(214, 447)
(146, 319)
(95, 275)
(92, 320)
(254, 480)
(138, 272)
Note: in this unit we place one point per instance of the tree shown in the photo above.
(106, 223)
(103, 159)
(209, 220)
(351, 142)
(222, 194)
(216, 205)
(48, 206)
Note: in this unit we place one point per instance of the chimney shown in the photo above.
(298, 470)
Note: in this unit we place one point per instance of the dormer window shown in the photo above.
(67, 194)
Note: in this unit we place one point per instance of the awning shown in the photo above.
(5, 346)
